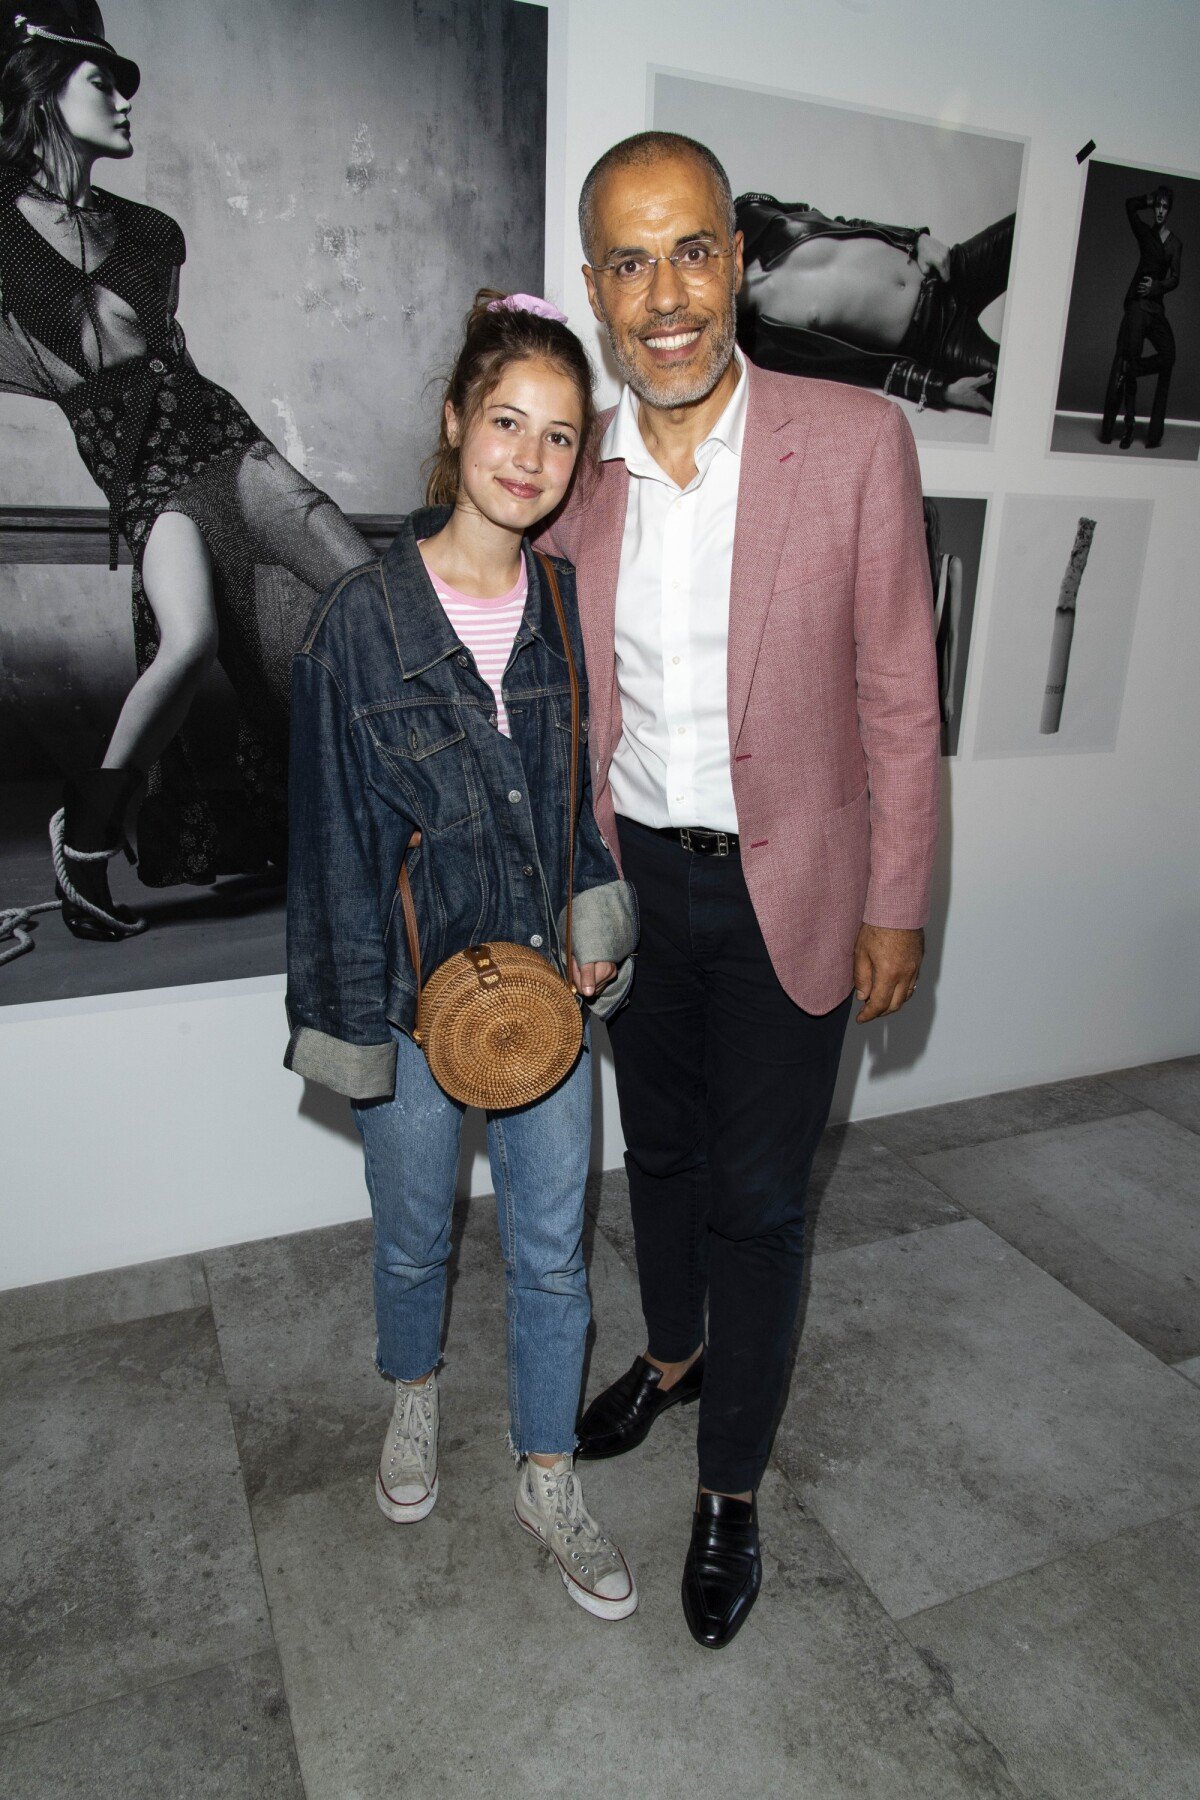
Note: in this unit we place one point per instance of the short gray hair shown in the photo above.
(639, 151)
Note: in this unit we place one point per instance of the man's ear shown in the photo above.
(593, 296)
(739, 259)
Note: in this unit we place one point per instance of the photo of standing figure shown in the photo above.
(89, 284)
(892, 271)
(1157, 274)
(1129, 378)
(232, 472)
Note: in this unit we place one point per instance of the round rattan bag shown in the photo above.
(499, 1026)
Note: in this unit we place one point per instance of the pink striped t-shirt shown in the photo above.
(487, 629)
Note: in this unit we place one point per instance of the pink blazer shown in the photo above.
(832, 693)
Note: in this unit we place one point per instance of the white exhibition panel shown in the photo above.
(139, 1126)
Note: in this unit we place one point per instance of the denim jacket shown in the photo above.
(393, 731)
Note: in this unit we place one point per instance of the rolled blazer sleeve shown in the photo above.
(896, 669)
(344, 842)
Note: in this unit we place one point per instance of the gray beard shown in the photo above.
(703, 381)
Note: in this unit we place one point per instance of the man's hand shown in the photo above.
(886, 963)
(592, 976)
(1145, 284)
(968, 392)
(932, 254)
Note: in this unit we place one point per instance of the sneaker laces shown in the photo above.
(415, 1427)
(573, 1518)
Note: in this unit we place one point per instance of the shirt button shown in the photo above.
(514, 795)
(536, 940)
(682, 730)
(674, 659)
(157, 365)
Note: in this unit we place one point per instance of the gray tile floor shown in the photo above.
(982, 1519)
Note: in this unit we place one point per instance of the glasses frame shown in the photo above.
(652, 262)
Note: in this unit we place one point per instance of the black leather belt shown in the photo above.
(699, 840)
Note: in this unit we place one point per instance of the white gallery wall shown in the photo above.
(1065, 941)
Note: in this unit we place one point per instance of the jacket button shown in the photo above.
(158, 366)
(527, 868)
(461, 661)
(514, 795)
(536, 940)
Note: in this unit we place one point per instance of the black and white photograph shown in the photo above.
(224, 293)
(1129, 383)
(1064, 602)
(878, 249)
(954, 527)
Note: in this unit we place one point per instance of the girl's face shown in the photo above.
(94, 113)
(517, 455)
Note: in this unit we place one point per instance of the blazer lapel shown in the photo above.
(598, 564)
(773, 451)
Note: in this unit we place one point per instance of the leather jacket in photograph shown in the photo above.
(771, 230)
(393, 731)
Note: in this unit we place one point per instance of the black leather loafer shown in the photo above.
(620, 1418)
(723, 1571)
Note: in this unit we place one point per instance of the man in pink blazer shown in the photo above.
(764, 726)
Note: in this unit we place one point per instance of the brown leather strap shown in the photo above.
(404, 886)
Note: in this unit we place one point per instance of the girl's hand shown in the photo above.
(592, 976)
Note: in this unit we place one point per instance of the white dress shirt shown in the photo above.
(671, 766)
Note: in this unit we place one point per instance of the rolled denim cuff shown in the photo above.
(614, 996)
(360, 1071)
(604, 924)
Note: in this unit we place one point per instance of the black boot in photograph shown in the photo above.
(1130, 411)
(85, 834)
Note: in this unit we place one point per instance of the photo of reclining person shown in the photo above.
(882, 306)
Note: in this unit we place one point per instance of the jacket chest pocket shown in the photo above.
(430, 754)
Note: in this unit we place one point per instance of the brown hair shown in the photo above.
(33, 137)
(496, 337)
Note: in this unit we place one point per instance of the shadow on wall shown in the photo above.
(892, 1045)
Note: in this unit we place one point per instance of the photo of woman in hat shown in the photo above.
(230, 543)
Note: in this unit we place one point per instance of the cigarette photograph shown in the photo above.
(1064, 601)
(878, 249)
(1129, 383)
(213, 375)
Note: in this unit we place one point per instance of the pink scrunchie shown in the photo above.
(530, 303)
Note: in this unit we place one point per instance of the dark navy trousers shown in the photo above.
(724, 1086)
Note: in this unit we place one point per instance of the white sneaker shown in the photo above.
(406, 1484)
(549, 1504)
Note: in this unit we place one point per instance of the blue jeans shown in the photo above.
(539, 1158)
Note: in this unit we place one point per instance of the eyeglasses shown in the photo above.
(695, 262)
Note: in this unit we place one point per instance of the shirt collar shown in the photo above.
(623, 439)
